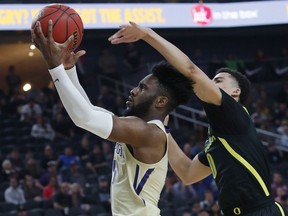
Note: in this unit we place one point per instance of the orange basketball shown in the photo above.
(66, 22)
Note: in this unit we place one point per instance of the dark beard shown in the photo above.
(140, 110)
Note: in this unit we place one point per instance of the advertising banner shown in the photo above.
(169, 15)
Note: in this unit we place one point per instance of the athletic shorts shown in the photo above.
(274, 209)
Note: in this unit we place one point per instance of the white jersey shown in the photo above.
(136, 186)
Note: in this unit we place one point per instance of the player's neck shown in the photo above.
(150, 117)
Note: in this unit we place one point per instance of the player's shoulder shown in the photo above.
(158, 123)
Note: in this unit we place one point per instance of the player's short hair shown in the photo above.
(172, 84)
(242, 80)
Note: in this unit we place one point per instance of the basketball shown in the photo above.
(66, 22)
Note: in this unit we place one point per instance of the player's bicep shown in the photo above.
(204, 88)
(130, 130)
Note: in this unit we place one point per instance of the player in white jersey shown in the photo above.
(140, 160)
(139, 184)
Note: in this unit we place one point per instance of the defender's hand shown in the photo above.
(129, 33)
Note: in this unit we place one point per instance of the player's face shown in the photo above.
(142, 97)
(227, 83)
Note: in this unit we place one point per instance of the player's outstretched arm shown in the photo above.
(102, 123)
(69, 62)
(72, 74)
(99, 121)
(189, 171)
(204, 88)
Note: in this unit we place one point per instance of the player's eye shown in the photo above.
(217, 80)
(141, 86)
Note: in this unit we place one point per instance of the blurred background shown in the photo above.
(56, 168)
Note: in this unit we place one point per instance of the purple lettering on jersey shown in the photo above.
(119, 150)
(138, 188)
(114, 170)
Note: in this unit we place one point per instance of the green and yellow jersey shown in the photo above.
(236, 156)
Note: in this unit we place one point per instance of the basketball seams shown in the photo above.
(57, 10)
(66, 21)
(43, 17)
(46, 15)
(78, 27)
(59, 17)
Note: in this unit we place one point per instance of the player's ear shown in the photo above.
(161, 101)
(236, 92)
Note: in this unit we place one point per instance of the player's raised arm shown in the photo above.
(204, 88)
(69, 62)
(102, 123)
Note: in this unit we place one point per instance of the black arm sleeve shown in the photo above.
(202, 158)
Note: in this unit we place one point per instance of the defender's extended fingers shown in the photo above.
(115, 40)
(132, 23)
(129, 39)
(118, 34)
(119, 40)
